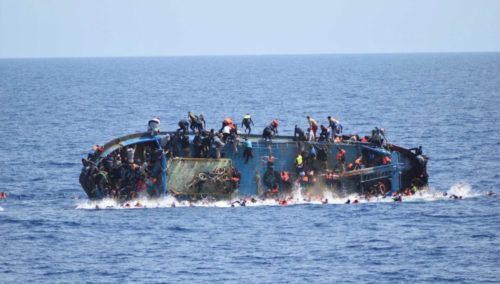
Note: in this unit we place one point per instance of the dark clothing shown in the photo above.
(247, 123)
(183, 126)
(299, 134)
(323, 136)
(268, 132)
(247, 154)
(271, 177)
(197, 123)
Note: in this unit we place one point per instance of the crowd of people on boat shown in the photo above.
(122, 174)
(178, 144)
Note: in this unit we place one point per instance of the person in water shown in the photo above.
(247, 123)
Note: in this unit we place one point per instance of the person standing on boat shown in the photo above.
(247, 122)
(154, 126)
(334, 126)
(313, 125)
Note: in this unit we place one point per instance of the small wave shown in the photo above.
(1, 209)
(462, 189)
(459, 190)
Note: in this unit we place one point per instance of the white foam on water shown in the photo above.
(1, 209)
(459, 189)
(463, 189)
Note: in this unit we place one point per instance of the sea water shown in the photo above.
(53, 110)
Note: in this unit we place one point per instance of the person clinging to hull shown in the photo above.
(270, 130)
(247, 123)
(340, 157)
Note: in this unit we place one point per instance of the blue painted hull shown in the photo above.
(406, 168)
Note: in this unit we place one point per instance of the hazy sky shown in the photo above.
(65, 28)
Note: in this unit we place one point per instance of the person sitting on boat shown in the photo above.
(270, 130)
(313, 125)
(247, 123)
(299, 135)
(154, 126)
(183, 126)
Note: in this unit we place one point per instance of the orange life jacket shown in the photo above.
(228, 121)
(386, 160)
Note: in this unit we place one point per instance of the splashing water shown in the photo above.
(297, 197)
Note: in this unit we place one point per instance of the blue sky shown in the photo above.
(65, 28)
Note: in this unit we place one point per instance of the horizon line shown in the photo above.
(247, 54)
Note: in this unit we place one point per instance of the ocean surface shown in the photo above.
(53, 110)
